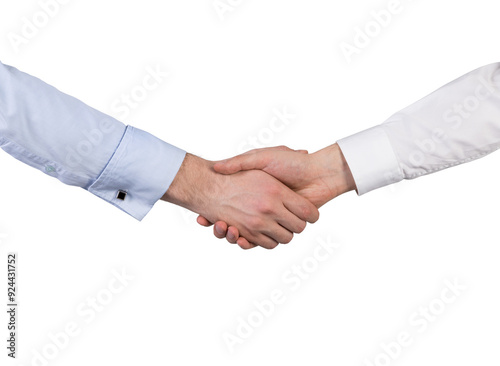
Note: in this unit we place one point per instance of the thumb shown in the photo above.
(203, 221)
(242, 162)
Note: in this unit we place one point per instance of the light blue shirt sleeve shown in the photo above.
(66, 139)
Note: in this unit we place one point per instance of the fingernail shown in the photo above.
(219, 230)
(230, 237)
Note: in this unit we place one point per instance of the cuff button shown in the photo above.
(121, 195)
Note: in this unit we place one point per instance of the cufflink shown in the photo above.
(121, 195)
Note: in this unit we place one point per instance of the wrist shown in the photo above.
(337, 174)
(195, 186)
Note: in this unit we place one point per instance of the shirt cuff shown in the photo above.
(139, 172)
(371, 159)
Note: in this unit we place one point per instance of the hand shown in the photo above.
(319, 177)
(264, 210)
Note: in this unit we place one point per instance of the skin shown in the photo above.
(263, 209)
(319, 177)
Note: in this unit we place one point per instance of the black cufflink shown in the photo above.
(121, 195)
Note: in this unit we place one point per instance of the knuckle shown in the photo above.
(265, 207)
(255, 223)
(273, 189)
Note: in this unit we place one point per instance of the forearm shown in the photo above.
(68, 140)
(455, 124)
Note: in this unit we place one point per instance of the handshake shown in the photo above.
(262, 197)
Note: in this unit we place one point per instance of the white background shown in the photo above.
(398, 245)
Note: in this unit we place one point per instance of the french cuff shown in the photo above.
(371, 159)
(139, 172)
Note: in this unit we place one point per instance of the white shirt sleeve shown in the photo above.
(457, 123)
(66, 139)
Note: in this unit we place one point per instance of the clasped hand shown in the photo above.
(262, 197)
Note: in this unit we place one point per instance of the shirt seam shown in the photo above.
(445, 166)
(41, 160)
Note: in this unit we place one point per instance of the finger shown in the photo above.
(301, 207)
(264, 241)
(253, 159)
(259, 238)
(203, 221)
(278, 148)
(232, 234)
(245, 244)
(279, 234)
(257, 160)
(273, 148)
(220, 229)
(302, 152)
(291, 222)
(267, 242)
